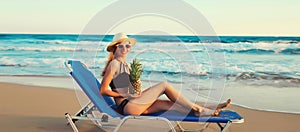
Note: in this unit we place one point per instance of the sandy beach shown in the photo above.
(208, 51)
(36, 108)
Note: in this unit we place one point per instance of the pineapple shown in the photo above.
(136, 70)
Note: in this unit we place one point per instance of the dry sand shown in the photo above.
(34, 108)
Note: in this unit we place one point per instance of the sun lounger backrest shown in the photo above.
(90, 85)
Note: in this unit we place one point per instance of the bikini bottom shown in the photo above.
(121, 107)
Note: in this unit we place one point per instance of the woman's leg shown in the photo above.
(176, 97)
(164, 105)
(139, 105)
(149, 96)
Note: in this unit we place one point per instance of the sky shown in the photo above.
(227, 17)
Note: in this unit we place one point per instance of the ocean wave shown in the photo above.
(266, 51)
(56, 42)
(13, 65)
(256, 75)
(66, 38)
(258, 39)
(286, 42)
(95, 43)
(57, 63)
(262, 41)
(254, 48)
(152, 40)
(51, 49)
(264, 76)
(291, 51)
(248, 51)
(203, 73)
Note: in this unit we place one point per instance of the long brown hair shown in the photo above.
(110, 57)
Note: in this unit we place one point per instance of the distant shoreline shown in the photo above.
(225, 35)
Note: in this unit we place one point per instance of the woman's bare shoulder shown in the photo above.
(114, 63)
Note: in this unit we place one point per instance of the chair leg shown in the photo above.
(224, 128)
(180, 127)
(199, 130)
(205, 126)
(71, 122)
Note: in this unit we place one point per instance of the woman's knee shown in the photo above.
(164, 84)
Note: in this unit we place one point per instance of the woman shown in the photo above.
(116, 75)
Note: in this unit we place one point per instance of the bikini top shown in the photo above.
(121, 80)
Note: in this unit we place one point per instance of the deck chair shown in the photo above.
(105, 105)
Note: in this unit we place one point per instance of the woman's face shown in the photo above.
(123, 49)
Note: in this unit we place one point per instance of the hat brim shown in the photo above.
(110, 47)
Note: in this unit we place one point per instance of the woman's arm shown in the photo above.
(111, 69)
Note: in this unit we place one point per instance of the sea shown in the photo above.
(257, 72)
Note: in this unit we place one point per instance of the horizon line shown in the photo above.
(258, 35)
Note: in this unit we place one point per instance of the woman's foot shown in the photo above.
(222, 106)
(204, 112)
(200, 111)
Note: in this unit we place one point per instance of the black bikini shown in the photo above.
(120, 108)
(121, 81)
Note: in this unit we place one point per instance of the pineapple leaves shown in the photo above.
(136, 70)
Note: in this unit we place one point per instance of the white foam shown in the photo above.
(52, 48)
(264, 97)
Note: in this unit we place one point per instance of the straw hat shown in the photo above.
(118, 38)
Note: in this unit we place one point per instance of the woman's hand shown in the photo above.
(135, 95)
